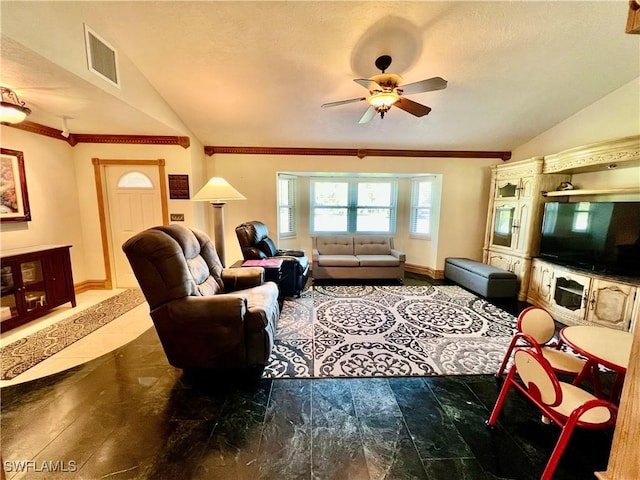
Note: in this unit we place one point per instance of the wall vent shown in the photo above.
(102, 58)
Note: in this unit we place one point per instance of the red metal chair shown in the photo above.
(536, 328)
(565, 404)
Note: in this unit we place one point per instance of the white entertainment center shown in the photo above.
(519, 191)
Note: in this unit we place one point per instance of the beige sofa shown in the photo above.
(356, 257)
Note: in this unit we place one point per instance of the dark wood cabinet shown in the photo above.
(33, 281)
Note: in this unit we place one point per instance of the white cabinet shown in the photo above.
(515, 216)
(574, 297)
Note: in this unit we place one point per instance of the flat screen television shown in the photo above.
(599, 236)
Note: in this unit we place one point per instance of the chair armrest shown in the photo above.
(315, 255)
(290, 252)
(399, 255)
(242, 277)
(217, 310)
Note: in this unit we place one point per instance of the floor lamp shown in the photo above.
(217, 192)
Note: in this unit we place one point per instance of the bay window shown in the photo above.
(353, 205)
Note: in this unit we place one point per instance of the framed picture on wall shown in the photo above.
(14, 199)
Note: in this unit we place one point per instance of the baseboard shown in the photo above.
(90, 285)
(421, 270)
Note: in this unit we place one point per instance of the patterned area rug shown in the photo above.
(382, 331)
(21, 355)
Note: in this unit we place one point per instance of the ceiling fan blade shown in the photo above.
(435, 83)
(368, 115)
(342, 102)
(367, 83)
(414, 108)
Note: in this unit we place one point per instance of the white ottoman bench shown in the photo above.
(483, 279)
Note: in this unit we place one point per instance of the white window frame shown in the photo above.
(416, 209)
(352, 206)
(289, 206)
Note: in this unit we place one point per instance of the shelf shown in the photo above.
(572, 291)
(608, 191)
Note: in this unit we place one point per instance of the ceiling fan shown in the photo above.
(386, 91)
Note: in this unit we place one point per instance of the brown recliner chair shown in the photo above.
(207, 317)
(255, 244)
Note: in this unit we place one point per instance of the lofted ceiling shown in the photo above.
(255, 73)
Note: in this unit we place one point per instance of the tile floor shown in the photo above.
(111, 336)
(127, 414)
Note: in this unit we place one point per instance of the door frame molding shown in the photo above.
(99, 165)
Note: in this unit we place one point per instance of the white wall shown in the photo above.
(465, 190)
(63, 199)
(64, 203)
(53, 197)
(178, 160)
(614, 116)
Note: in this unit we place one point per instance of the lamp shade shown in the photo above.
(217, 190)
(12, 109)
(383, 99)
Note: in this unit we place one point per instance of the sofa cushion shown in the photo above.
(338, 261)
(334, 245)
(378, 261)
(372, 245)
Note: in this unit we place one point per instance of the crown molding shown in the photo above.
(183, 142)
(74, 138)
(356, 152)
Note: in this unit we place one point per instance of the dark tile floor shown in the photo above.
(129, 415)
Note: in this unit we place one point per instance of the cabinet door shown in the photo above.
(520, 226)
(542, 276)
(569, 295)
(527, 188)
(611, 304)
(502, 226)
(57, 278)
(499, 261)
(33, 290)
(508, 189)
(518, 266)
(9, 303)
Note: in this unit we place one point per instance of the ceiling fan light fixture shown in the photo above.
(12, 109)
(383, 100)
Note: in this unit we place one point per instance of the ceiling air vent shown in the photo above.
(102, 58)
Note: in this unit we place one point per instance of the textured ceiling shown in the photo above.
(256, 73)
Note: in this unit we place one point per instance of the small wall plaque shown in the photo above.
(178, 187)
(177, 217)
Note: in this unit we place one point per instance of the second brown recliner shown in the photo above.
(256, 244)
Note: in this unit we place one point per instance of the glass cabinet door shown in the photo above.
(507, 190)
(568, 293)
(502, 226)
(8, 307)
(33, 288)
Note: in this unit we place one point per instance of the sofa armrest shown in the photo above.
(315, 255)
(242, 277)
(399, 255)
(290, 252)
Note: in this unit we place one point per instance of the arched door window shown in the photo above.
(134, 180)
